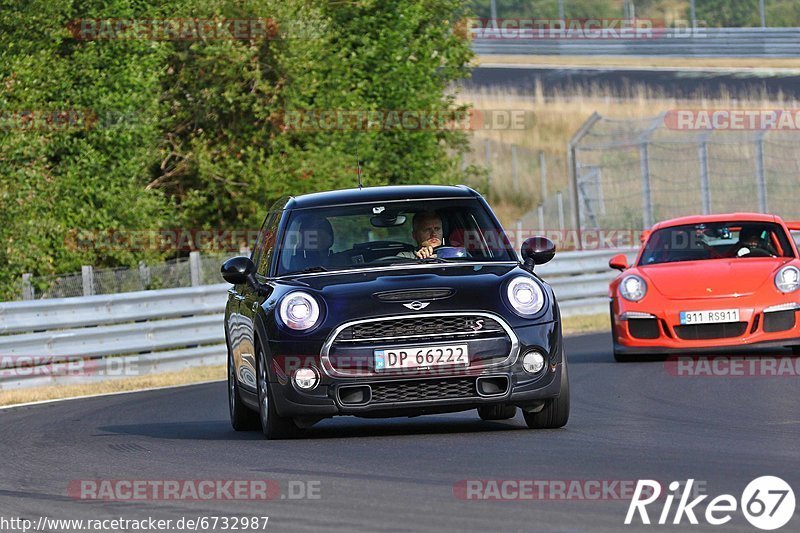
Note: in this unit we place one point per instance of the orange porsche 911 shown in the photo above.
(708, 282)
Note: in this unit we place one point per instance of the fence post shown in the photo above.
(195, 268)
(144, 275)
(572, 167)
(647, 199)
(541, 218)
(543, 174)
(705, 188)
(560, 198)
(87, 276)
(514, 169)
(27, 287)
(761, 181)
(488, 147)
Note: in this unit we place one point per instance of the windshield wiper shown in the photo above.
(309, 270)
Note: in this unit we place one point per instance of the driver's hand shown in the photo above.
(427, 248)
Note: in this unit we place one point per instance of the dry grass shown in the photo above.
(652, 61)
(184, 377)
(580, 324)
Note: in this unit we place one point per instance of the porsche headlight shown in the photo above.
(299, 310)
(788, 279)
(525, 295)
(633, 288)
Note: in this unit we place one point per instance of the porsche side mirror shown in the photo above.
(619, 262)
(537, 251)
(238, 270)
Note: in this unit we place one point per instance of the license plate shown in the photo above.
(421, 356)
(717, 316)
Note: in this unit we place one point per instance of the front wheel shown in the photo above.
(555, 412)
(273, 425)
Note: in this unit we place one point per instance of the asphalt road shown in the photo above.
(677, 83)
(629, 422)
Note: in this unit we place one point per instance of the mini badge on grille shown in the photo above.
(417, 305)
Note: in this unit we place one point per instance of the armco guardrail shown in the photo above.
(83, 339)
(728, 42)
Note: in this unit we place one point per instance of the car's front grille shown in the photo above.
(431, 389)
(779, 321)
(697, 332)
(428, 326)
(643, 328)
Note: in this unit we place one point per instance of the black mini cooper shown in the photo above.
(391, 301)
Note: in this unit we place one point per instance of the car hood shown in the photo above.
(714, 278)
(351, 295)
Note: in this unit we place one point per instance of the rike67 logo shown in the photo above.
(767, 503)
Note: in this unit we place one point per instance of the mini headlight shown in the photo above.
(525, 295)
(299, 310)
(788, 279)
(633, 288)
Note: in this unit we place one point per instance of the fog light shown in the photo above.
(305, 378)
(533, 362)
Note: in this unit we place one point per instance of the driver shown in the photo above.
(428, 234)
(752, 242)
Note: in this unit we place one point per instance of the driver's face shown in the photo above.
(427, 229)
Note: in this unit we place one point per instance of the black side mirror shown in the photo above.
(238, 270)
(537, 251)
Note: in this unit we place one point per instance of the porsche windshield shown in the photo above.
(722, 240)
(387, 233)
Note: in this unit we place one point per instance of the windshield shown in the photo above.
(721, 240)
(344, 237)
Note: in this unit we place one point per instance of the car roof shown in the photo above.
(725, 217)
(380, 194)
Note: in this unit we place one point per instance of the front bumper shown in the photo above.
(659, 331)
(430, 391)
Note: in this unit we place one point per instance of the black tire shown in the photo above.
(242, 417)
(273, 425)
(497, 412)
(795, 350)
(555, 412)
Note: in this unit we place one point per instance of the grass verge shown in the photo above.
(580, 324)
(55, 392)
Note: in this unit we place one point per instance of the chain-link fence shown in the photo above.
(633, 173)
(197, 269)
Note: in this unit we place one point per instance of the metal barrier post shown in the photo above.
(87, 276)
(195, 268)
(27, 287)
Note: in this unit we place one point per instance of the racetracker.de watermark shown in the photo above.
(29, 366)
(236, 240)
(174, 29)
(733, 119)
(133, 490)
(327, 120)
(550, 489)
(22, 120)
(725, 366)
(583, 29)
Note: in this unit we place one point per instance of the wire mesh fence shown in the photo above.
(202, 269)
(634, 173)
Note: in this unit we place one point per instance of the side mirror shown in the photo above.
(537, 251)
(619, 262)
(238, 270)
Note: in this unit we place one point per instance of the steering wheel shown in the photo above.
(755, 252)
